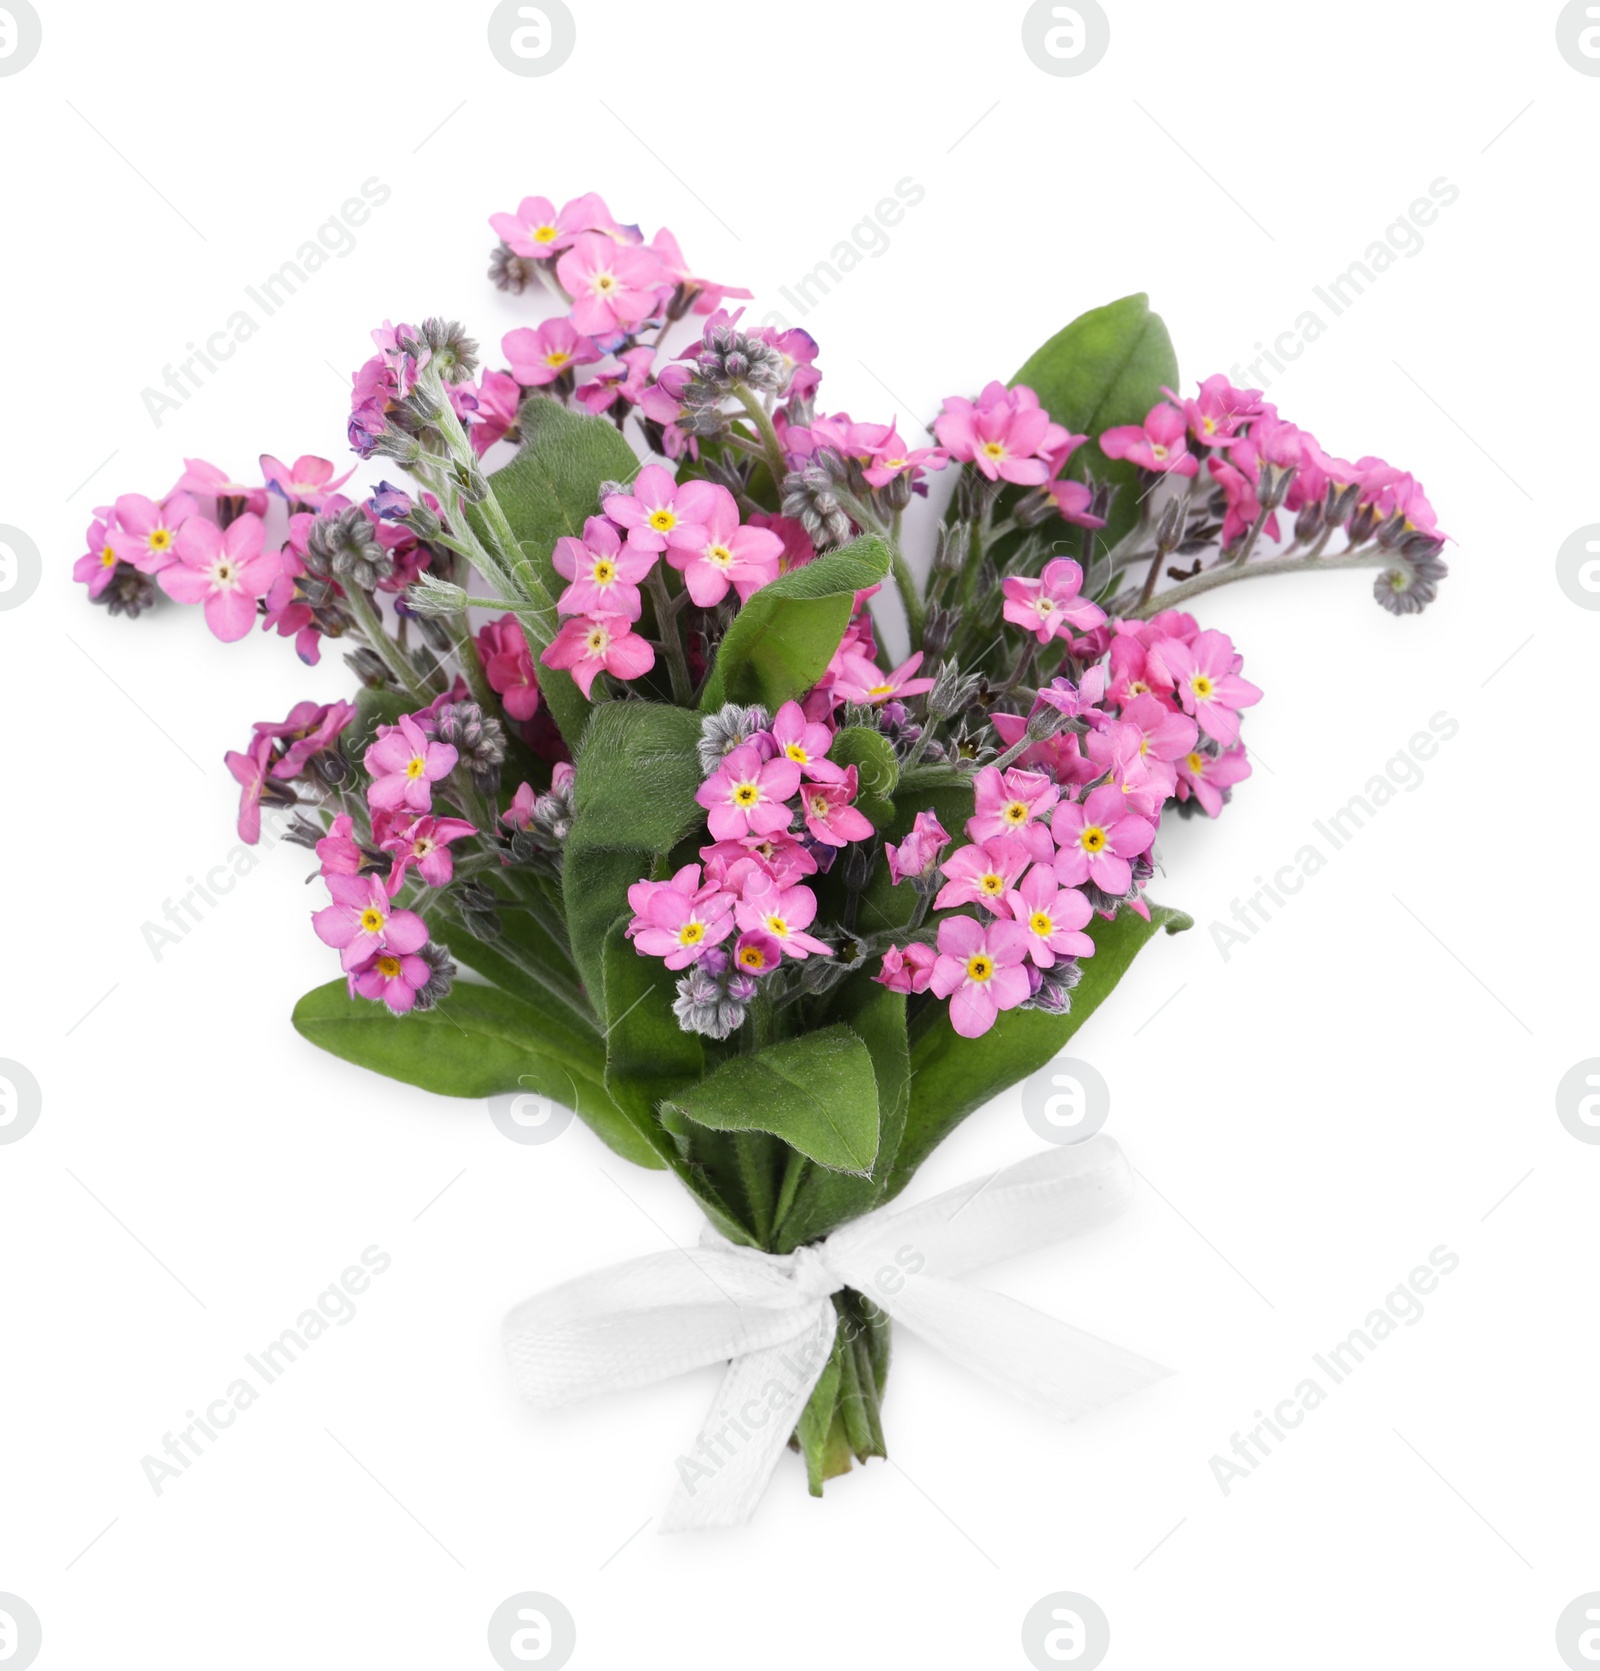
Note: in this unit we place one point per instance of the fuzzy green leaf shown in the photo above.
(478, 1042)
(781, 642)
(1106, 368)
(952, 1076)
(817, 1092)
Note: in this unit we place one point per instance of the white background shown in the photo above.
(1364, 1080)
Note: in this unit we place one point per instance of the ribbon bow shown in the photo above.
(770, 1317)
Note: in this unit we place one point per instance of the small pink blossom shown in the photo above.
(746, 794)
(1215, 415)
(362, 921)
(1006, 434)
(1098, 839)
(425, 843)
(339, 852)
(1016, 804)
(309, 729)
(728, 555)
(614, 287)
(708, 295)
(805, 743)
(1051, 606)
(309, 481)
(226, 571)
(918, 855)
(660, 511)
(859, 680)
(146, 534)
(829, 814)
(982, 874)
(909, 969)
(250, 771)
(756, 952)
(508, 666)
(1205, 777)
(588, 645)
(99, 563)
(1144, 780)
(1053, 916)
(681, 919)
(980, 970)
(604, 574)
(539, 355)
(404, 764)
(1159, 443)
(1205, 675)
(392, 977)
(207, 481)
(785, 914)
(537, 231)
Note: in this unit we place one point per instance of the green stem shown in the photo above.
(671, 638)
(770, 445)
(381, 644)
(1223, 575)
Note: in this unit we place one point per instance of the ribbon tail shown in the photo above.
(755, 1410)
(1059, 1370)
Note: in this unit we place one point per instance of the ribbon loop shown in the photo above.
(770, 1317)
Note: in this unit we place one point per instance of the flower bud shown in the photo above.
(431, 596)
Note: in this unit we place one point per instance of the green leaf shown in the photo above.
(637, 776)
(952, 1076)
(781, 642)
(873, 757)
(817, 1092)
(821, 1199)
(1105, 369)
(479, 1042)
(547, 491)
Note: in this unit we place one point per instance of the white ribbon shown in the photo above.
(770, 1317)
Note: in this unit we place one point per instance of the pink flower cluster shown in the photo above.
(1239, 436)
(694, 525)
(382, 945)
(207, 542)
(750, 883)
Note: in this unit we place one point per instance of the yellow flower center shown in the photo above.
(1158, 451)
(778, 926)
(108, 557)
(557, 358)
(878, 691)
(993, 449)
(416, 766)
(746, 794)
(1138, 688)
(598, 641)
(719, 554)
(1016, 813)
(992, 885)
(1201, 686)
(819, 806)
(160, 539)
(1042, 924)
(752, 957)
(604, 282)
(1093, 839)
(663, 521)
(388, 966)
(797, 754)
(605, 571)
(545, 234)
(1195, 762)
(691, 934)
(372, 920)
(979, 967)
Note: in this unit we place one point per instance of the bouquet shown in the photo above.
(764, 905)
